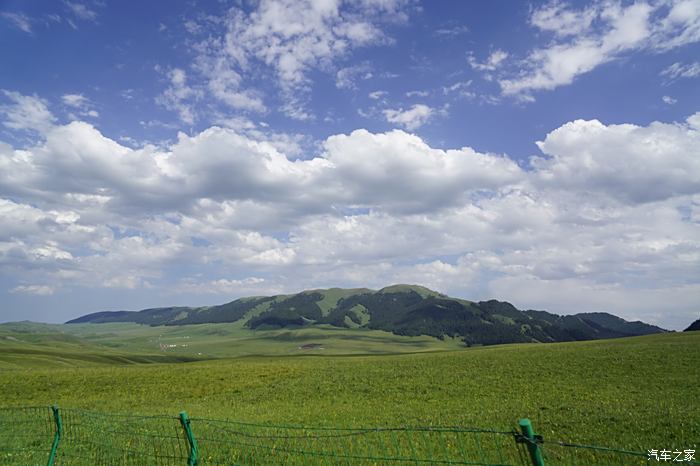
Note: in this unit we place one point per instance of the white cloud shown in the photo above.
(291, 39)
(346, 78)
(82, 11)
(681, 26)
(128, 94)
(80, 104)
(669, 100)
(598, 34)
(606, 219)
(179, 96)
(411, 118)
(452, 31)
(41, 290)
(224, 82)
(230, 287)
(462, 88)
(26, 112)
(401, 172)
(19, 20)
(417, 94)
(678, 70)
(628, 162)
(494, 61)
(557, 18)
(75, 100)
(376, 95)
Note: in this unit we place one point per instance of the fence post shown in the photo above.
(57, 435)
(531, 439)
(192, 460)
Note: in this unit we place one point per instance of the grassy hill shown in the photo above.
(408, 310)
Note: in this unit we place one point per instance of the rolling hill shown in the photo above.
(408, 310)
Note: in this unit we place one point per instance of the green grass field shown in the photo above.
(634, 393)
(43, 345)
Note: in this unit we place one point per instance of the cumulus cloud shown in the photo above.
(411, 118)
(627, 162)
(400, 171)
(586, 38)
(611, 209)
(26, 112)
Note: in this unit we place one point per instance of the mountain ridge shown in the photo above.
(693, 327)
(410, 310)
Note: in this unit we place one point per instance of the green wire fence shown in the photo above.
(74, 437)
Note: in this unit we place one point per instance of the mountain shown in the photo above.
(694, 326)
(402, 309)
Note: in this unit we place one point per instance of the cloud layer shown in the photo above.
(584, 39)
(606, 218)
(286, 39)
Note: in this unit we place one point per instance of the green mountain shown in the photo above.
(402, 309)
(694, 326)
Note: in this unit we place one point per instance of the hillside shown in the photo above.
(694, 326)
(401, 309)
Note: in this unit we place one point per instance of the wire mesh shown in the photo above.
(230, 442)
(26, 435)
(560, 453)
(91, 438)
(96, 439)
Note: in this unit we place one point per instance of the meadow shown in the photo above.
(634, 393)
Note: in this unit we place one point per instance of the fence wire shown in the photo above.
(224, 442)
(112, 439)
(566, 453)
(27, 435)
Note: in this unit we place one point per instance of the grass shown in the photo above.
(634, 393)
(61, 345)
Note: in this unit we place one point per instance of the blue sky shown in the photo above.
(544, 153)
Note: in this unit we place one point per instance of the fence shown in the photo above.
(74, 437)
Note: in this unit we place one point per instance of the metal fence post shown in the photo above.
(531, 439)
(192, 460)
(57, 435)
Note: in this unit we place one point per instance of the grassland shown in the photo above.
(635, 393)
(43, 345)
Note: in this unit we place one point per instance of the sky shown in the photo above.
(193, 152)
